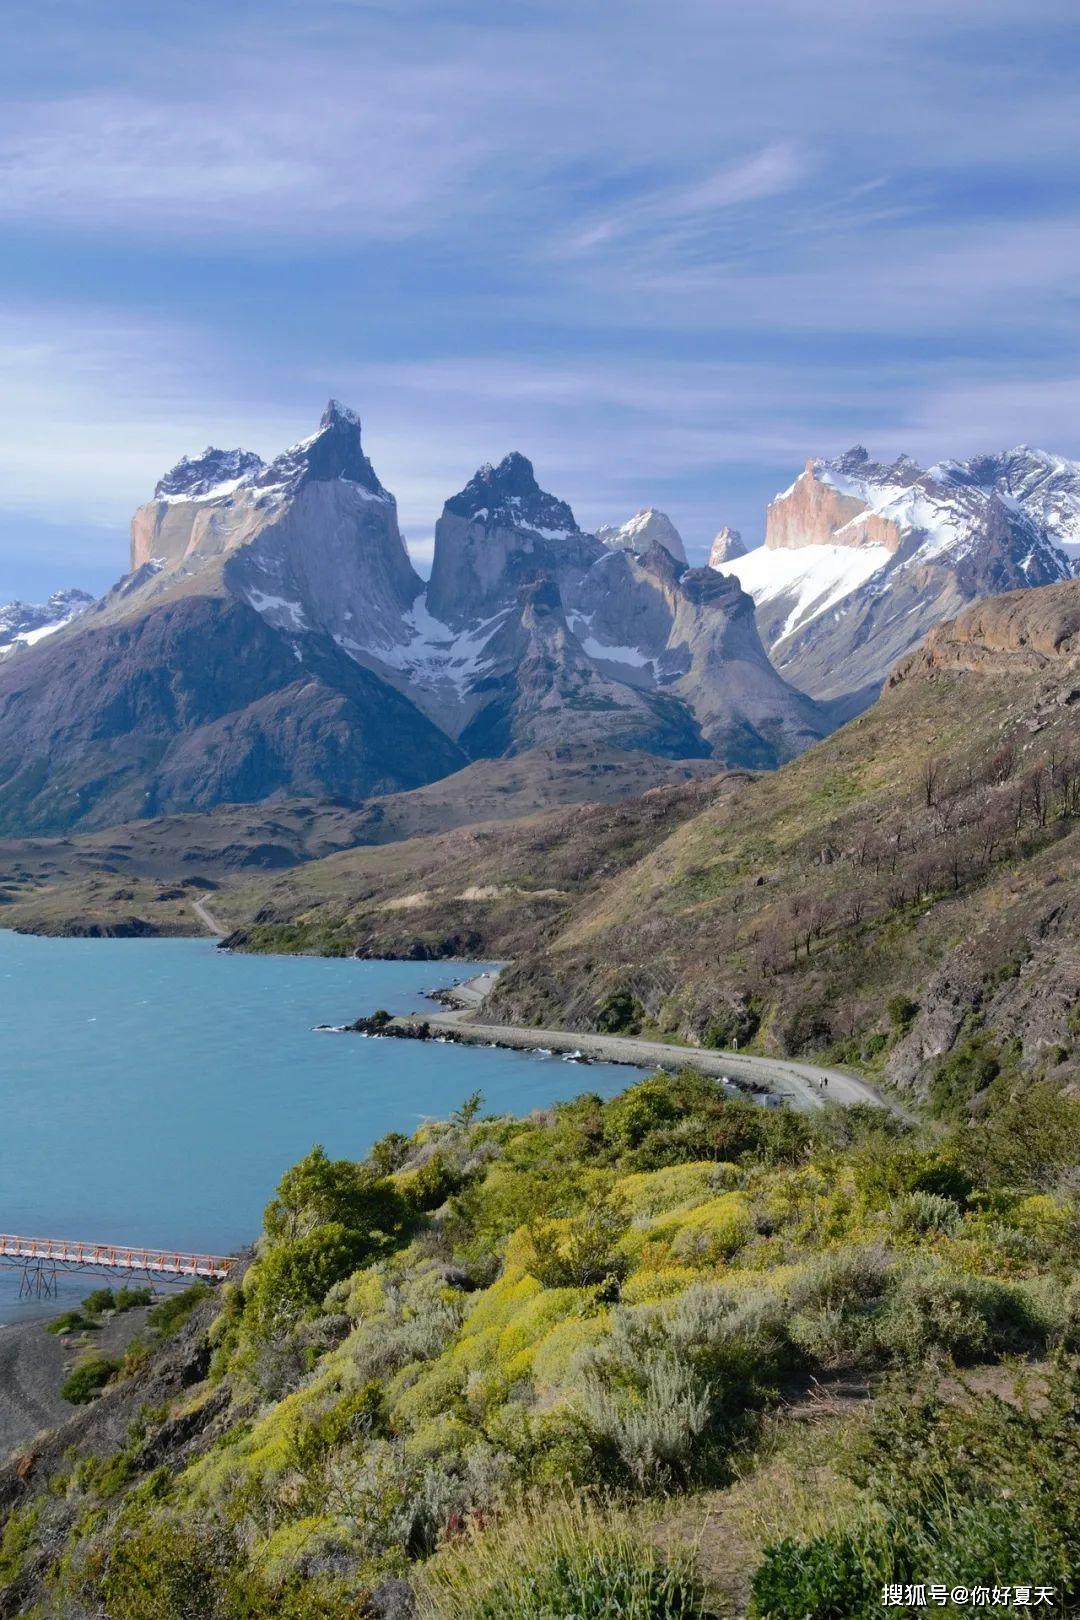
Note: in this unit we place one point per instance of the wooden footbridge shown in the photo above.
(42, 1260)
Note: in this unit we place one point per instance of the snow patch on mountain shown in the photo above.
(815, 578)
(433, 654)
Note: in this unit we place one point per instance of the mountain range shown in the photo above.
(272, 638)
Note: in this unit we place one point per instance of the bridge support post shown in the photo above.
(38, 1280)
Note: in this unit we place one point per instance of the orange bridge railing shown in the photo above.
(65, 1252)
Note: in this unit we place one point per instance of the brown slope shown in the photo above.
(907, 889)
(494, 889)
(146, 872)
(194, 703)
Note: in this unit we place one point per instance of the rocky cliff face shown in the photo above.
(1022, 632)
(589, 641)
(310, 541)
(827, 504)
(862, 558)
(644, 530)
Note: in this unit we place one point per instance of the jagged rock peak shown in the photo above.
(646, 528)
(213, 474)
(333, 451)
(508, 496)
(727, 545)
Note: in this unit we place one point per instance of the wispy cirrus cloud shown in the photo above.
(667, 250)
(682, 207)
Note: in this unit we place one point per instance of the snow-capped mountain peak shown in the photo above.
(333, 451)
(24, 623)
(209, 477)
(645, 529)
(862, 556)
(508, 497)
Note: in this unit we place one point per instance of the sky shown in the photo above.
(666, 248)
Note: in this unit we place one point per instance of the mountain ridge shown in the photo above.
(861, 558)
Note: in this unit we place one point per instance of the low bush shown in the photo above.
(935, 1313)
(130, 1299)
(88, 1378)
(971, 1494)
(560, 1560)
(71, 1322)
(99, 1301)
(174, 1310)
(958, 1078)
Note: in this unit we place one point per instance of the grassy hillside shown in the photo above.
(905, 896)
(662, 1350)
(494, 889)
(132, 878)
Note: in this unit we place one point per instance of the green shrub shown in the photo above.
(902, 1013)
(967, 1318)
(389, 1152)
(620, 1013)
(174, 1310)
(19, 1537)
(977, 1492)
(321, 1192)
(88, 1378)
(431, 1185)
(640, 1109)
(294, 1277)
(830, 1577)
(558, 1561)
(167, 1567)
(1029, 1140)
(923, 1212)
(130, 1299)
(669, 1388)
(71, 1322)
(580, 1252)
(101, 1300)
(958, 1078)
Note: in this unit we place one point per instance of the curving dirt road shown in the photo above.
(209, 922)
(802, 1085)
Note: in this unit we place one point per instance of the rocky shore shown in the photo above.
(34, 1364)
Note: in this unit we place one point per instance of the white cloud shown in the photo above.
(774, 169)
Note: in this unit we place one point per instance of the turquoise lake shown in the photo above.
(153, 1091)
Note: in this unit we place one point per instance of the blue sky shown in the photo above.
(668, 250)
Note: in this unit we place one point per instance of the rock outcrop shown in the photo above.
(1022, 632)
